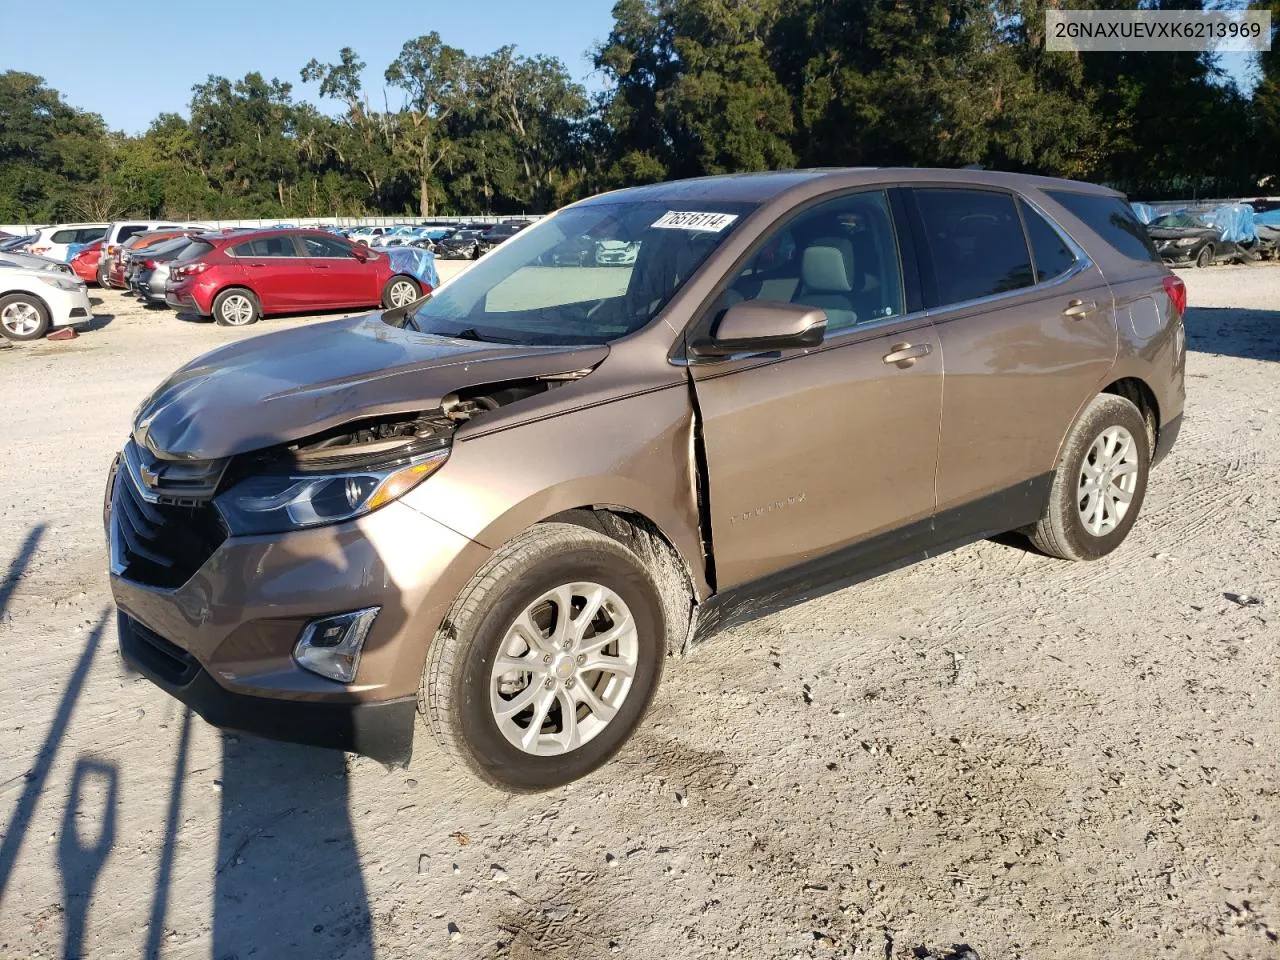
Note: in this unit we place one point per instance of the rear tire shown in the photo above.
(464, 691)
(400, 290)
(1100, 482)
(23, 317)
(236, 307)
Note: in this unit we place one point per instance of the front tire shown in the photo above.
(23, 317)
(399, 291)
(236, 307)
(547, 660)
(1100, 482)
(1205, 257)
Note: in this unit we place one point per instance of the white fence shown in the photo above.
(22, 229)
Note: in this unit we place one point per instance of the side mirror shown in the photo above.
(361, 253)
(757, 326)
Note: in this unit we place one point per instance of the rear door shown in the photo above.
(810, 452)
(1027, 338)
(274, 271)
(338, 278)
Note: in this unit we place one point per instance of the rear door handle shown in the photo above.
(1079, 308)
(905, 354)
(321, 266)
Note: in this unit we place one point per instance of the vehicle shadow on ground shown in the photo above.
(1234, 332)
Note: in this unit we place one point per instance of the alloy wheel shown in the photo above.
(564, 668)
(20, 319)
(237, 310)
(402, 292)
(1108, 481)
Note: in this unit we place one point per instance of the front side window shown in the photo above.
(841, 255)
(1112, 219)
(976, 243)
(1052, 256)
(544, 285)
(316, 246)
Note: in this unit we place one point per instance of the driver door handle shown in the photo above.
(1079, 308)
(905, 354)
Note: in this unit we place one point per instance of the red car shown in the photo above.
(85, 263)
(239, 276)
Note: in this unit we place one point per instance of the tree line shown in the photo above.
(690, 87)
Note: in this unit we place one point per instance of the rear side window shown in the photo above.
(1113, 220)
(65, 236)
(90, 234)
(265, 247)
(1050, 252)
(976, 242)
(130, 230)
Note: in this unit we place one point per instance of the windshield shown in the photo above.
(1177, 220)
(561, 282)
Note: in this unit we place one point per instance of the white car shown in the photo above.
(32, 301)
(53, 242)
(29, 261)
(368, 235)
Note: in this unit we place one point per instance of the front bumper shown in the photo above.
(67, 306)
(382, 730)
(226, 635)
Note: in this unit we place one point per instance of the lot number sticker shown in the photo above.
(688, 220)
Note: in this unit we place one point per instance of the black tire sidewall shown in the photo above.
(46, 321)
(1115, 412)
(499, 759)
(1205, 257)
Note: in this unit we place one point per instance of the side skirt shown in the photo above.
(997, 513)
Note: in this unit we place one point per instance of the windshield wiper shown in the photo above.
(471, 333)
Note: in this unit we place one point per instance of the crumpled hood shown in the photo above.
(1173, 233)
(284, 386)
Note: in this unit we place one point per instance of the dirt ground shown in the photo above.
(1035, 758)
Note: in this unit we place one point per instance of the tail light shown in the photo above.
(39, 250)
(188, 270)
(1177, 291)
(148, 264)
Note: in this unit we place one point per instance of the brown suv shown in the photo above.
(504, 506)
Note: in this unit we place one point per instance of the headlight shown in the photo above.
(68, 285)
(275, 503)
(1188, 241)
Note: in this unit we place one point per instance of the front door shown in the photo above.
(338, 278)
(814, 451)
(275, 272)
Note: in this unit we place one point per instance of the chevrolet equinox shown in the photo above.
(502, 507)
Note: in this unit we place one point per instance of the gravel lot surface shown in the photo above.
(1035, 758)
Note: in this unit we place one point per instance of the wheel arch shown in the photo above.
(27, 293)
(1138, 392)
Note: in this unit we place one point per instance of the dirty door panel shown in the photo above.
(813, 453)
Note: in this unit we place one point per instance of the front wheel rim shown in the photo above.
(237, 310)
(1108, 481)
(564, 669)
(20, 319)
(402, 293)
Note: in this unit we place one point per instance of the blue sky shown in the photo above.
(108, 63)
(131, 68)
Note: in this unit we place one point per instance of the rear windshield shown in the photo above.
(197, 248)
(1113, 220)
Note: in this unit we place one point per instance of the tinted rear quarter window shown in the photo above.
(1052, 256)
(1112, 219)
(129, 230)
(90, 234)
(64, 236)
(975, 241)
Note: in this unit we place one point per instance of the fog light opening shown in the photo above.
(331, 646)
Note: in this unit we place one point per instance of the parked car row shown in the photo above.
(238, 276)
(450, 241)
